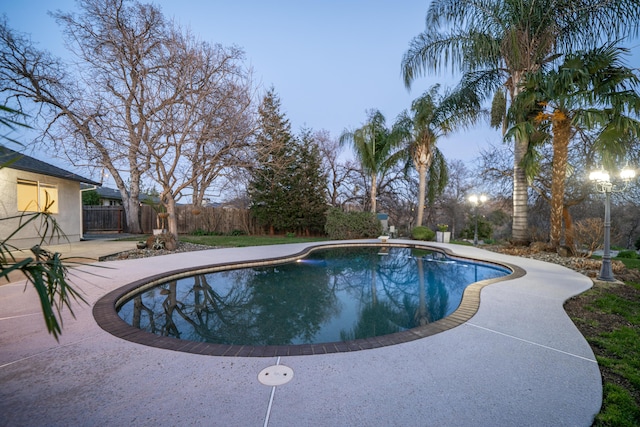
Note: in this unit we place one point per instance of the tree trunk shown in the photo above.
(172, 220)
(132, 215)
(519, 231)
(374, 189)
(130, 202)
(422, 189)
(568, 229)
(561, 134)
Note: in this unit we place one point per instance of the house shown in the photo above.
(108, 196)
(29, 185)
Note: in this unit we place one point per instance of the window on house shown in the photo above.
(34, 196)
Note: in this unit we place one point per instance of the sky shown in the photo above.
(329, 61)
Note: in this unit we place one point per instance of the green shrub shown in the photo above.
(485, 229)
(90, 198)
(627, 254)
(352, 225)
(638, 244)
(422, 233)
(237, 232)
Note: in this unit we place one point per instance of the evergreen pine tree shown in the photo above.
(287, 186)
(273, 141)
(309, 187)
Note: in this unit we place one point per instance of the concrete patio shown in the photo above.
(519, 361)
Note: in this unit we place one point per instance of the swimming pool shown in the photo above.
(338, 299)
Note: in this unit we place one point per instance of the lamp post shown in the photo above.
(604, 185)
(476, 201)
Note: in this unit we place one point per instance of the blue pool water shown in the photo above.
(336, 294)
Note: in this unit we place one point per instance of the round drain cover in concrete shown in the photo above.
(275, 375)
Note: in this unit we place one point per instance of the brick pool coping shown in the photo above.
(105, 310)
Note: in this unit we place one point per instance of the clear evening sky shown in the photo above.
(329, 60)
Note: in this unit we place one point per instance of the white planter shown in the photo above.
(443, 236)
(157, 231)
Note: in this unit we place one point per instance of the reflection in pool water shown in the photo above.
(332, 295)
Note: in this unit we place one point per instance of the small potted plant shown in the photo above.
(443, 235)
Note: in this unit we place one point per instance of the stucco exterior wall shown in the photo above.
(69, 216)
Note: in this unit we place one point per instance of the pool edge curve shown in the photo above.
(105, 309)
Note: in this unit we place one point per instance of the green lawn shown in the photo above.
(243, 241)
(609, 318)
(633, 263)
(630, 263)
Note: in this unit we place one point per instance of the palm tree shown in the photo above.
(376, 148)
(494, 43)
(591, 89)
(434, 116)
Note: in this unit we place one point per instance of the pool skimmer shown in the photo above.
(275, 375)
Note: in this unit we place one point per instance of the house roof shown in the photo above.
(109, 193)
(14, 160)
(113, 194)
(103, 192)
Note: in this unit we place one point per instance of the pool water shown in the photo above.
(337, 294)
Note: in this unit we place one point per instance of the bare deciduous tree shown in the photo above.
(453, 205)
(136, 90)
(96, 107)
(338, 173)
(206, 130)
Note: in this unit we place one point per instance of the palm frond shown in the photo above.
(45, 270)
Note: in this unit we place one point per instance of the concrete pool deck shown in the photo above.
(518, 361)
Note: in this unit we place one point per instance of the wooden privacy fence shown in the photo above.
(207, 219)
(103, 219)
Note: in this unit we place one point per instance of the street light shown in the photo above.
(476, 201)
(604, 185)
